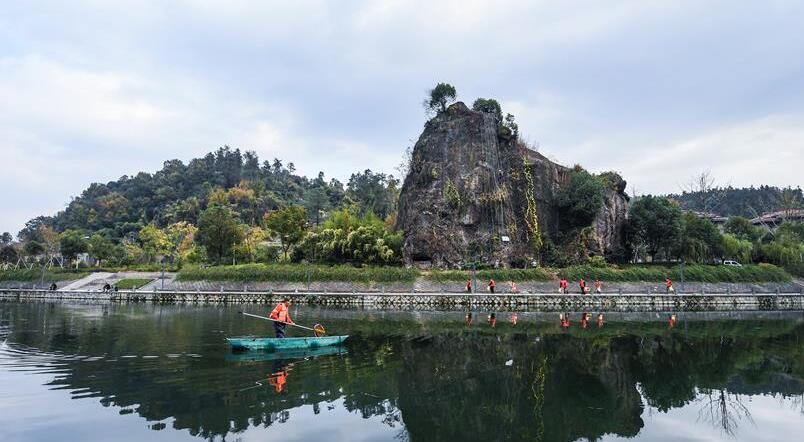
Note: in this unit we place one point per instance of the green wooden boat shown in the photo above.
(276, 344)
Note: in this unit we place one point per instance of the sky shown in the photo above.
(658, 91)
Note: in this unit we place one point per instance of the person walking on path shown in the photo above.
(281, 316)
(513, 287)
(582, 285)
(562, 286)
(668, 284)
(492, 285)
(469, 286)
(598, 289)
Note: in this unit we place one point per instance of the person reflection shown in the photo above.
(279, 375)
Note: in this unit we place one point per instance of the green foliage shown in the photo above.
(654, 223)
(452, 195)
(374, 192)
(694, 272)
(441, 96)
(218, 232)
(531, 212)
(72, 243)
(131, 283)
(596, 261)
(345, 237)
(5, 238)
(499, 275)
(745, 202)
(100, 248)
(701, 242)
(737, 249)
(9, 254)
(489, 106)
(35, 275)
(742, 229)
(580, 199)
(33, 248)
(289, 224)
(510, 124)
(298, 273)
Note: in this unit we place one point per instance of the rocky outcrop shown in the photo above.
(475, 194)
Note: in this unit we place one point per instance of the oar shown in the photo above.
(317, 329)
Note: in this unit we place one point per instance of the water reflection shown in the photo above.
(419, 377)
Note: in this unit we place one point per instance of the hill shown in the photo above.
(180, 192)
(748, 202)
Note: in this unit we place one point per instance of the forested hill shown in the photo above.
(747, 201)
(180, 192)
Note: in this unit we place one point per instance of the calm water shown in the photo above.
(98, 372)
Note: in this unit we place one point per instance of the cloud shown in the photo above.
(91, 90)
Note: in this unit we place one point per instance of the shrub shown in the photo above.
(532, 274)
(695, 272)
(298, 273)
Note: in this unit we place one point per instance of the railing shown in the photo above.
(772, 301)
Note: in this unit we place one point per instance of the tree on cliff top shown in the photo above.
(441, 96)
(489, 106)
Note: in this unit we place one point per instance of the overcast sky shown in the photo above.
(91, 91)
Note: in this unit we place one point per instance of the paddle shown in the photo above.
(317, 329)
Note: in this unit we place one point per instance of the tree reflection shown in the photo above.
(723, 410)
(431, 381)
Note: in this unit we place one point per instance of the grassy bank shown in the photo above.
(629, 273)
(131, 283)
(297, 273)
(24, 275)
(534, 274)
(692, 273)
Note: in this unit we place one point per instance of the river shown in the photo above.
(130, 372)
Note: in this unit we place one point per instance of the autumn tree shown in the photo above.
(289, 225)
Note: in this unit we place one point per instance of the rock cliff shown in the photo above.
(474, 193)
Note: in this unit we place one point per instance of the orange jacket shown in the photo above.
(281, 313)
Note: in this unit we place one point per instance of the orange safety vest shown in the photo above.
(281, 313)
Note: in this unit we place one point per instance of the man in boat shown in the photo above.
(281, 317)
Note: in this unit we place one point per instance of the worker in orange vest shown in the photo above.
(281, 316)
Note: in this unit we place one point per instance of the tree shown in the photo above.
(373, 192)
(218, 232)
(580, 200)
(155, 242)
(72, 243)
(736, 248)
(100, 248)
(655, 224)
(510, 123)
(701, 241)
(8, 254)
(441, 96)
(289, 224)
(6, 238)
(33, 248)
(489, 106)
(742, 229)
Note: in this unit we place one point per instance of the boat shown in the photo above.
(276, 344)
(286, 355)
